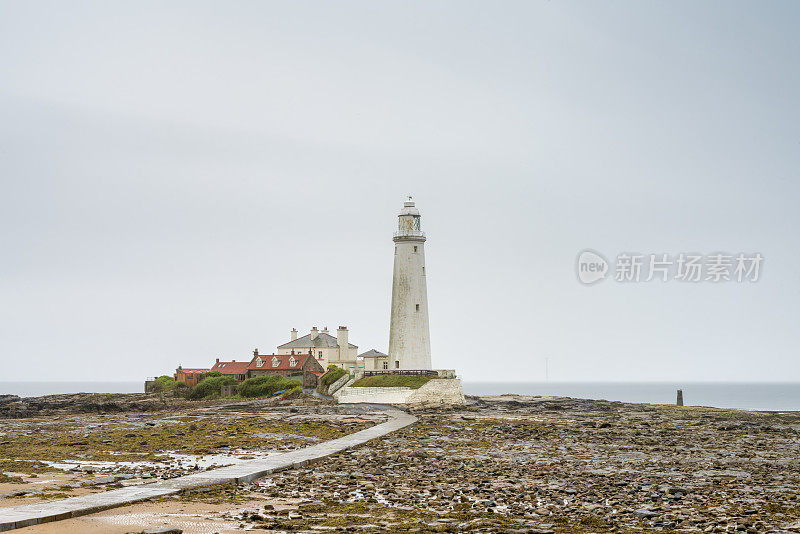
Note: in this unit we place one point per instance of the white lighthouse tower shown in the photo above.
(409, 333)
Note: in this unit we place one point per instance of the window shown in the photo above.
(397, 365)
(385, 365)
(423, 269)
(292, 362)
(320, 355)
(259, 362)
(415, 248)
(189, 377)
(417, 307)
(275, 362)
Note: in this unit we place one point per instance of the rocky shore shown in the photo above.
(46, 458)
(12, 406)
(505, 464)
(514, 464)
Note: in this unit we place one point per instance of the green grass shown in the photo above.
(392, 381)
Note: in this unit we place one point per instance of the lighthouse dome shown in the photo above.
(409, 208)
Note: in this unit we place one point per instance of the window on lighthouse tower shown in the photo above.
(417, 307)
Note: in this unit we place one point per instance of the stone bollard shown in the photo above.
(680, 398)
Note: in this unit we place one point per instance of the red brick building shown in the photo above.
(237, 370)
(302, 367)
(190, 377)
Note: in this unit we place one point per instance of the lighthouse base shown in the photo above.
(436, 392)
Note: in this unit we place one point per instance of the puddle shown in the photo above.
(177, 460)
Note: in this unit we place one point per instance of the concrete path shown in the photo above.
(34, 514)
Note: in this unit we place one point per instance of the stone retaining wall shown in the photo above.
(439, 391)
(375, 395)
(434, 393)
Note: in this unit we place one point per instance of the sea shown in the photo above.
(761, 396)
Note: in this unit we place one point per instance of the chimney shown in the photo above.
(314, 333)
(294, 334)
(325, 330)
(255, 351)
(341, 340)
(181, 367)
(217, 360)
(232, 361)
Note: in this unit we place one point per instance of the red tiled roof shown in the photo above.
(230, 368)
(283, 361)
(196, 370)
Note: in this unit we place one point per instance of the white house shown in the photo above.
(325, 348)
(374, 360)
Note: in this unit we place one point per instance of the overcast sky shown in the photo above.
(183, 181)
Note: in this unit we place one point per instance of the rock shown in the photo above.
(5, 399)
(645, 514)
(16, 493)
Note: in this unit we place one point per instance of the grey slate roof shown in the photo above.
(323, 340)
(372, 353)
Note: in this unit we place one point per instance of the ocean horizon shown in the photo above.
(769, 396)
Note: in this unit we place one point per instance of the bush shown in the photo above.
(266, 385)
(162, 383)
(332, 375)
(212, 374)
(182, 390)
(211, 387)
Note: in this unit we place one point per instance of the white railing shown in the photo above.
(410, 233)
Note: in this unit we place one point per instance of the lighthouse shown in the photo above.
(409, 333)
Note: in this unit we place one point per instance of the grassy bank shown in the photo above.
(392, 381)
(332, 375)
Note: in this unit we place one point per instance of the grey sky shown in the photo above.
(190, 180)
